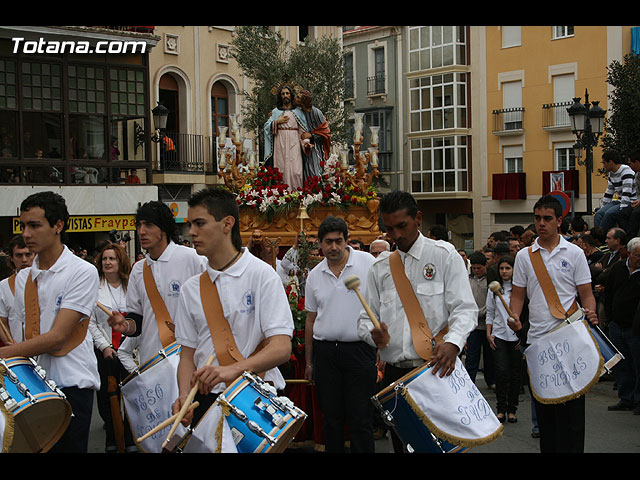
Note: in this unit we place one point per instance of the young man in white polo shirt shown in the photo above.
(171, 265)
(561, 425)
(21, 258)
(67, 288)
(253, 302)
(342, 366)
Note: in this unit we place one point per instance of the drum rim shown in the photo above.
(59, 431)
(173, 349)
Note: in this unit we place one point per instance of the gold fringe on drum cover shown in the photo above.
(463, 442)
(7, 435)
(226, 411)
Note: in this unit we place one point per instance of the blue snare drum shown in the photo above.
(400, 416)
(608, 350)
(260, 421)
(41, 411)
(172, 349)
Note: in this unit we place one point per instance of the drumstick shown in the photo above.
(164, 424)
(104, 309)
(185, 406)
(495, 288)
(352, 283)
(6, 332)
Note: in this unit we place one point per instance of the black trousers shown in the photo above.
(561, 426)
(76, 437)
(345, 379)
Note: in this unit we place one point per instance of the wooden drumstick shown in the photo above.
(164, 424)
(6, 332)
(104, 309)
(185, 406)
(495, 288)
(352, 283)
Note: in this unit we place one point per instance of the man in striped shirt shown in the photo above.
(620, 182)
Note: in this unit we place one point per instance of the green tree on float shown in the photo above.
(267, 59)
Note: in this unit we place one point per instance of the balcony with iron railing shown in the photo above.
(186, 153)
(508, 121)
(376, 85)
(125, 28)
(555, 116)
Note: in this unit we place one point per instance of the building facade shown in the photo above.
(533, 73)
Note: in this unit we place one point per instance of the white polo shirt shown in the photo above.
(568, 268)
(70, 283)
(337, 307)
(6, 305)
(254, 303)
(443, 291)
(174, 267)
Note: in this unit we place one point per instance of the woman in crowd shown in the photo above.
(505, 343)
(114, 267)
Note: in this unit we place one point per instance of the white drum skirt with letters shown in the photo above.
(438, 415)
(148, 396)
(566, 362)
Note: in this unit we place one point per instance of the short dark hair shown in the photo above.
(634, 155)
(333, 224)
(501, 247)
(578, 224)
(611, 156)
(398, 200)
(358, 241)
(477, 258)
(499, 236)
(439, 232)
(549, 201)
(619, 234)
(517, 230)
(16, 242)
(588, 239)
(159, 214)
(53, 204)
(220, 203)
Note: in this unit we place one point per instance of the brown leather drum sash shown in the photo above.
(421, 334)
(550, 293)
(165, 324)
(32, 320)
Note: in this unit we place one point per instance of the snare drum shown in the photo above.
(437, 415)
(148, 395)
(40, 411)
(259, 420)
(608, 350)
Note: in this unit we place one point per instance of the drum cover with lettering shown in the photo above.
(564, 364)
(453, 408)
(148, 400)
(212, 434)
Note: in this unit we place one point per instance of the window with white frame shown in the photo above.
(513, 159)
(433, 47)
(439, 164)
(562, 31)
(511, 36)
(565, 156)
(438, 102)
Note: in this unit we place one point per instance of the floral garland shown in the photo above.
(267, 193)
(296, 302)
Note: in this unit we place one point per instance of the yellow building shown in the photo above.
(532, 75)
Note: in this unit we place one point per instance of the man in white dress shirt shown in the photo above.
(442, 288)
(342, 366)
(21, 258)
(252, 299)
(67, 289)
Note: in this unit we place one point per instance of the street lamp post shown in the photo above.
(587, 123)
